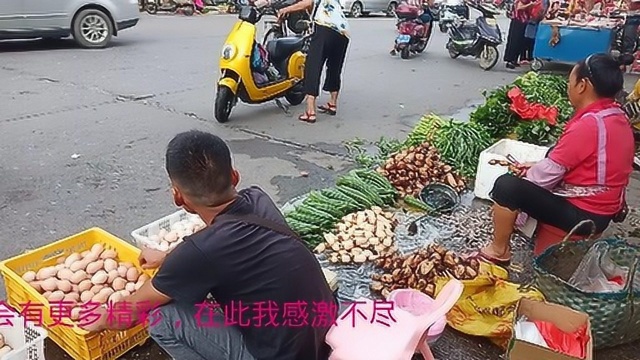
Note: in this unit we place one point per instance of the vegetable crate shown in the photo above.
(78, 343)
(27, 341)
(141, 235)
(487, 174)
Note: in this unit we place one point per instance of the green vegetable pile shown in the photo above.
(358, 190)
(500, 122)
(460, 145)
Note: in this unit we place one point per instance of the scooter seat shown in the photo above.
(282, 48)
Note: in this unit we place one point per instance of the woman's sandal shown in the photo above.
(329, 108)
(307, 117)
(480, 256)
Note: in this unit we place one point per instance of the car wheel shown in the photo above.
(92, 29)
(356, 9)
(391, 10)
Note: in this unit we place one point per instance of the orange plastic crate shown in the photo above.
(78, 343)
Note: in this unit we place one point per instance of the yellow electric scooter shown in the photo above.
(287, 55)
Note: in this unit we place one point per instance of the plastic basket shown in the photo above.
(26, 340)
(141, 235)
(78, 343)
(487, 174)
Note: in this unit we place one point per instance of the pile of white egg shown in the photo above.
(167, 240)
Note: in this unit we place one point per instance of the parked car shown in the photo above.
(92, 23)
(358, 8)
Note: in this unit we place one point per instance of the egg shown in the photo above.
(173, 245)
(100, 277)
(71, 259)
(72, 299)
(96, 288)
(85, 285)
(100, 298)
(78, 277)
(132, 274)
(79, 265)
(75, 313)
(5, 350)
(91, 257)
(64, 285)
(122, 271)
(29, 276)
(97, 249)
(143, 277)
(126, 264)
(75, 288)
(46, 294)
(162, 233)
(95, 266)
(46, 272)
(106, 292)
(110, 264)
(115, 297)
(138, 286)
(130, 287)
(164, 246)
(56, 296)
(119, 284)
(109, 254)
(85, 253)
(60, 261)
(65, 274)
(124, 293)
(113, 274)
(86, 296)
(50, 284)
(36, 285)
(171, 237)
(59, 267)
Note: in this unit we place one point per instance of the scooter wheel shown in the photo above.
(189, 11)
(452, 52)
(151, 9)
(225, 100)
(405, 52)
(489, 57)
(536, 65)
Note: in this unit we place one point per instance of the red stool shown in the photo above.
(547, 236)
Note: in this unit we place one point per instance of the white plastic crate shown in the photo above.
(27, 341)
(487, 174)
(141, 235)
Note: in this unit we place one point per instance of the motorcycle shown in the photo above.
(449, 11)
(479, 40)
(287, 27)
(186, 7)
(413, 34)
(286, 55)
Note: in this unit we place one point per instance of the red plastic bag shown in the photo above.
(572, 344)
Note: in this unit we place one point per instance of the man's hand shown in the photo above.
(100, 324)
(151, 258)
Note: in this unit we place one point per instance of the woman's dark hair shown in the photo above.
(603, 71)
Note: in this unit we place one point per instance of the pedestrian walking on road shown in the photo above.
(328, 45)
(536, 14)
(516, 39)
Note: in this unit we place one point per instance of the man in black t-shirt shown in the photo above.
(271, 298)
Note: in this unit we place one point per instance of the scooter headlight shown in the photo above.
(228, 52)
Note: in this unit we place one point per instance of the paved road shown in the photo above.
(82, 133)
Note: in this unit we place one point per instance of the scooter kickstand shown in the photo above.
(282, 106)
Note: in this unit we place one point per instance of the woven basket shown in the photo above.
(615, 316)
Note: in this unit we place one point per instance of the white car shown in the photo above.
(358, 8)
(92, 23)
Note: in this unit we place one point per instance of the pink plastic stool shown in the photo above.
(418, 303)
(397, 340)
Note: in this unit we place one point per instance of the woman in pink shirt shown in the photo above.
(584, 176)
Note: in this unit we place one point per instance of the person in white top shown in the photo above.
(328, 45)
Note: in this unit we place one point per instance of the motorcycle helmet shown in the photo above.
(294, 21)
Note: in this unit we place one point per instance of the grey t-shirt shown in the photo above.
(248, 266)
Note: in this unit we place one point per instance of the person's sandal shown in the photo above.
(307, 117)
(329, 108)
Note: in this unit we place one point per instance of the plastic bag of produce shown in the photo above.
(488, 304)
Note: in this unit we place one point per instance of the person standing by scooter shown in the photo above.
(328, 45)
(516, 39)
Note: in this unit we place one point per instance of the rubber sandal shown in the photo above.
(307, 117)
(328, 109)
(480, 256)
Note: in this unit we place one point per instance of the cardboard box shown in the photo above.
(564, 318)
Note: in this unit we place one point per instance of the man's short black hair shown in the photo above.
(200, 164)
